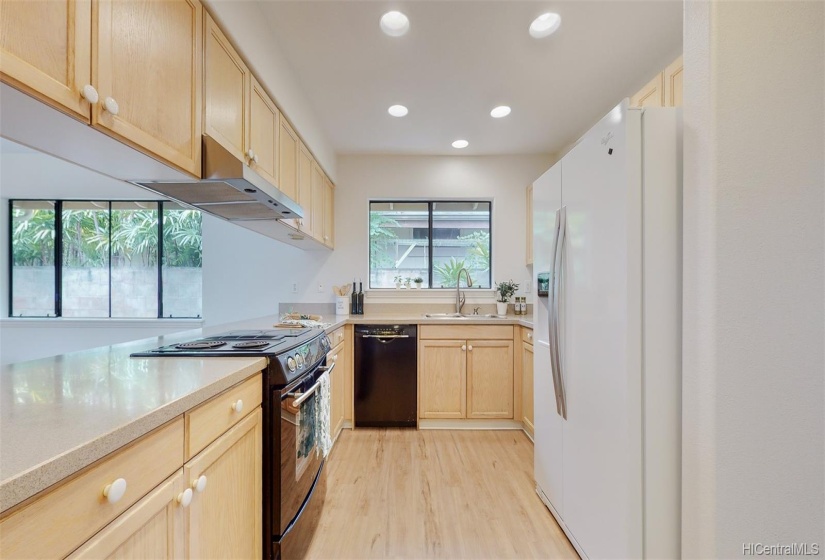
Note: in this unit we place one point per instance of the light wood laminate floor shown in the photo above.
(434, 494)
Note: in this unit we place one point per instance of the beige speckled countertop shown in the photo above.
(60, 414)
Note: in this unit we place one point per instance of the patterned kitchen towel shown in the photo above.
(322, 415)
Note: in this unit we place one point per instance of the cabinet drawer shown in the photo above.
(478, 332)
(205, 423)
(527, 335)
(336, 337)
(64, 518)
(335, 354)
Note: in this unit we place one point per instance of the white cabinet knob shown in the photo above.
(463, 347)
(115, 491)
(89, 93)
(237, 406)
(529, 335)
(199, 483)
(111, 106)
(250, 154)
(185, 497)
(470, 348)
(335, 358)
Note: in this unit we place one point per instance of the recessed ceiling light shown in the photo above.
(460, 144)
(398, 111)
(500, 111)
(545, 25)
(395, 24)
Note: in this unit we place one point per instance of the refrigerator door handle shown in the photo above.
(551, 317)
(556, 288)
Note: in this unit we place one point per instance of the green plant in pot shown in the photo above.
(418, 282)
(504, 291)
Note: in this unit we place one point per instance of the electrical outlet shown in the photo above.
(529, 287)
(295, 287)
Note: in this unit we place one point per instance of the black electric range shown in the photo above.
(294, 482)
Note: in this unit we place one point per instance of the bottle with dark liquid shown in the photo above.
(353, 300)
(360, 298)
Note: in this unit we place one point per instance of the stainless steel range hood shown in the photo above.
(229, 189)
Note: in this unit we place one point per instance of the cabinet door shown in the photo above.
(489, 379)
(442, 380)
(224, 520)
(264, 122)
(318, 196)
(529, 216)
(329, 213)
(305, 161)
(673, 83)
(288, 164)
(152, 528)
(527, 386)
(226, 92)
(147, 69)
(45, 50)
(336, 379)
(652, 95)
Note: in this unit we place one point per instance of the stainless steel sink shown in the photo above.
(460, 316)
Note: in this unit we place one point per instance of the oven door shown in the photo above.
(300, 456)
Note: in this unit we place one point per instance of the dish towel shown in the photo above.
(322, 413)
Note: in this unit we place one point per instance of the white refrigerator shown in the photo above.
(607, 369)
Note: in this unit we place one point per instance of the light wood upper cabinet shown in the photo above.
(489, 379)
(529, 224)
(264, 127)
(152, 528)
(442, 379)
(317, 205)
(45, 50)
(664, 90)
(146, 65)
(652, 95)
(224, 520)
(288, 165)
(527, 387)
(673, 83)
(305, 166)
(226, 92)
(329, 213)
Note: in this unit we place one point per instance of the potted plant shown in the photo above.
(397, 281)
(407, 281)
(504, 291)
(418, 282)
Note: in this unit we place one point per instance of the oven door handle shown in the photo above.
(301, 397)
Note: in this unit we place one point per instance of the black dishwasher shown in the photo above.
(386, 365)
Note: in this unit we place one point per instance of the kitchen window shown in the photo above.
(96, 259)
(432, 240)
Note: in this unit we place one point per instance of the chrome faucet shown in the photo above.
(460, 297)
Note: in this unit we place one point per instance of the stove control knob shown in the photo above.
(300, 360)
(290, 363)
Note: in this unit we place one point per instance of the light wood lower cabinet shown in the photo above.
(489, 379)
(465, 378)
(442, 379)
(152, 528)
(527, 387)
(224, 519)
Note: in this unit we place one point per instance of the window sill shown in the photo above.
(35, 322)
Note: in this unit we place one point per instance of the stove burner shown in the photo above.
(200, 344)
(251, 344)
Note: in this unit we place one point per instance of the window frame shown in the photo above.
(58, 260)
(429, 202)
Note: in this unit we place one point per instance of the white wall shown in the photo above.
(753, 421)
(247, 275)
(246, 26)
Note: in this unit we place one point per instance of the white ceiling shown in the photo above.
(462, 58)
